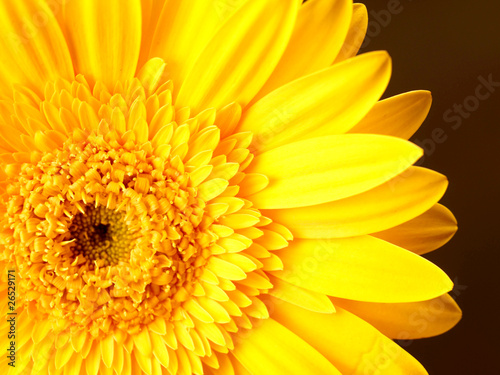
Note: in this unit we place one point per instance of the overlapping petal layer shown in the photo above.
(356, 347)
(312, 107)
(104, 38)
(405, 197)
(362, 268)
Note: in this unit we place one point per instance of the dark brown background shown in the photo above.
(445, 46)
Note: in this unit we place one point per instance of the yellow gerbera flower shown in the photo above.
(210, 187)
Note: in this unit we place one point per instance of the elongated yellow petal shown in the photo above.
(63, 355)
(142, 342)
(399, 116)
(351, 344)
(33, 47)
(107, 350)
(225, 269)
(329, 168)
(356, 33)
(197, 311)
(304, 298)
(40, 331)
(252, 183)
(159, 350)
(105, 37)
(184, 29)
(241, 56)
(272, 349)
(425, 233)
(74, 365)
(318, 35)
(151, 12)
(239, 221)
(403, 321)
(362, 268)
(226, 367)
(328, 102)
(404, 198)
(238, 367)
(212, 188)
(93, 360)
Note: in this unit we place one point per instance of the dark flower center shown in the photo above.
(101, 234)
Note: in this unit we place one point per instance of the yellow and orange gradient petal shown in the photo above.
(211, 189)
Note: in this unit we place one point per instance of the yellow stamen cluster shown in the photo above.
(56, 207)
(127, 221)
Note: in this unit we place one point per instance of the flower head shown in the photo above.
(211, 188)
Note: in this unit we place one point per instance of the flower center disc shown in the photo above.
(101, 234)
(125, 215)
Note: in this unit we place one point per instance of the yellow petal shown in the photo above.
(225, 367)
(118, 360)
(74, 365)
(107, 350)
(425, 233)
(298, 296)
(41, 330)
(238, 367)
(356, 33)
(93, 360)
(151, 74)
(151, 11)
(225, 269)
(200, 174)
(252, 183)
(142, 343)
(239, 221)
(329, 168)
(63, 355)
(181, 332)
(159, 350)
(399, 116)
(206, 140)
(351, 344)
(271, 349)
(210, 331)
(241, 56)
(240, 260)
(158, 326)
(228, 118)
(184, 364)
(42, 353)
(319, 33)
(105, 37)
(362, 268)
(183, 30)
(212, 188)
(140, 362)
(194, 308)
(33, 46)
(404, 197)
(330, 101)
(404, 321)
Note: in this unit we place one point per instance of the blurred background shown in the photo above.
(451, 48)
